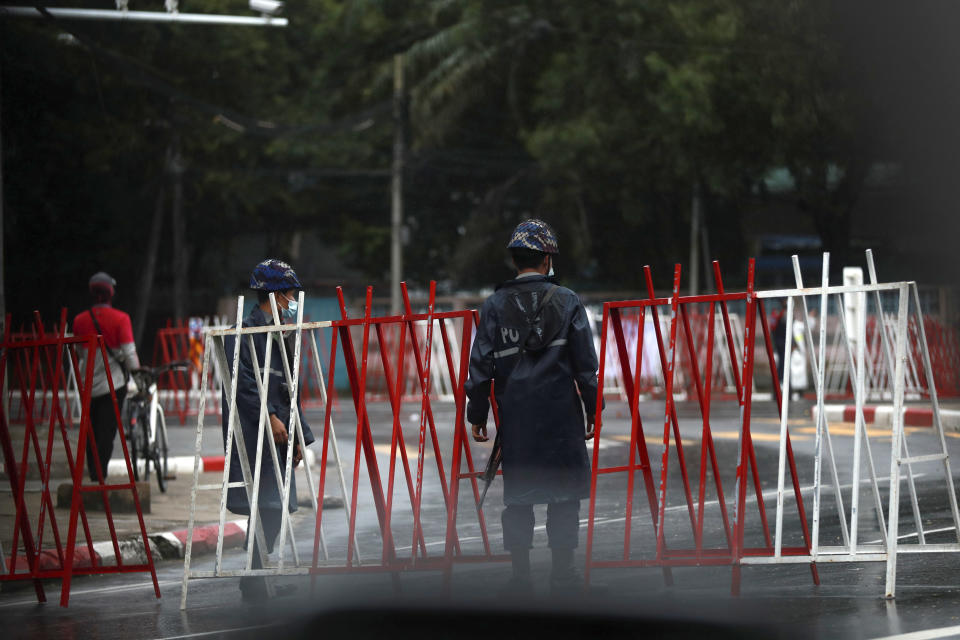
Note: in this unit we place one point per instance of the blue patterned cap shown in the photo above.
(274, 275)
(536, 235)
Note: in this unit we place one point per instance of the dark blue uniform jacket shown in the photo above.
(541, 393)
(248, 411)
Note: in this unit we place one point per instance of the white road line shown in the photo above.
(914, 535)
(679, 507)
(928, 634)
(124, 587)
(200, 634)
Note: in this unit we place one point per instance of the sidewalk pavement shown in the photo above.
(166, 521)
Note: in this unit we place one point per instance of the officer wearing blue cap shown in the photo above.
(535, 345)
(277, 277)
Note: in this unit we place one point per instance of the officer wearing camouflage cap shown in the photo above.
(277, 277)
(534, 343)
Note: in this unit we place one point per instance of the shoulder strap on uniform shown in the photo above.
(543, 302)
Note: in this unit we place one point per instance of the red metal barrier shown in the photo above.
(651, 375)
(393, 358)
(944, 351)
(29, 362)
(733, 532)
(175, 344)
(14, 401)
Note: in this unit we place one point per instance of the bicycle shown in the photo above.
(146, 427)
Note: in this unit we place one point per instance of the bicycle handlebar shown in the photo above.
(151, 374)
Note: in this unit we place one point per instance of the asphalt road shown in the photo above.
(776, 601)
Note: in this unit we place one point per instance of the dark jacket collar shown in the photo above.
(526, 280)
(258, 318)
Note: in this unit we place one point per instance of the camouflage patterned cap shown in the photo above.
(536, 235)
(274, 275)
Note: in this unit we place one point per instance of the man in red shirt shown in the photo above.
(114, 325)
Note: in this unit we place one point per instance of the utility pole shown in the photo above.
(180, 254)
(396, 187)
(150, 266)
(695, 214)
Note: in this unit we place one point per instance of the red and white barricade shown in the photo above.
(417, 338)
(939, 340)
(840, 520)
(69, 396)
(696, 516)
(35, 367)
(179, 389)
(731, 545)
(723, 378)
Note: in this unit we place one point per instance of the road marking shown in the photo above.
(717, 435)
(759, 437)
(626, 439)
(776, 421)
(412, 452)
(124, 587)
(200, 634)
(677, 507)
(928, 634)
(914, 535)
(848, 429)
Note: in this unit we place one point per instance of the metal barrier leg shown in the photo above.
(188, 553)
(894, 510)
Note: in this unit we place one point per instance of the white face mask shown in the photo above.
(550, 273)
(291, 311)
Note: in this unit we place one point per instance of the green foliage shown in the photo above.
(600, 117)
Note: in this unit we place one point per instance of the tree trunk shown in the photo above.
(180, 253)
(146, 281)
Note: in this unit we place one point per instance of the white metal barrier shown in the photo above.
(215, 359)
(846, 545)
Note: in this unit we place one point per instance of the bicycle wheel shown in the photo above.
(144, 432)
(160, 450)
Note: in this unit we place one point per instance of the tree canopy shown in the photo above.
(603, 118)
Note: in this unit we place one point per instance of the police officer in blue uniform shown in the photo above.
(278, 277)
(535, 345)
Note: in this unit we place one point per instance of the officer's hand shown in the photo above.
(589, 434)
(480, 432)
(278, 429)
(297, 456)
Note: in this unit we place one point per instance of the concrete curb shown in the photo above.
(169, 545)
(173, 544)
(184, 464)
(882, 415)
